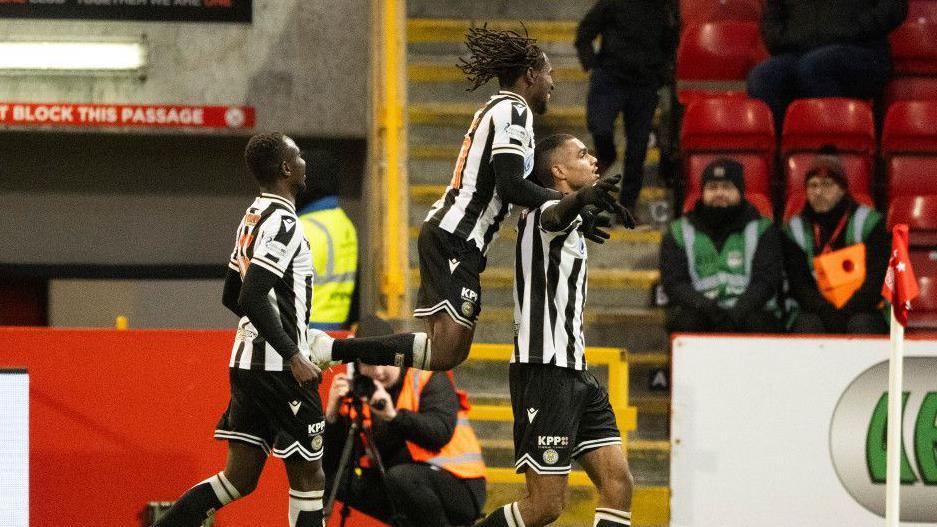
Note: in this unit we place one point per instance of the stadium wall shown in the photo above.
(121, 418)
(302, 65)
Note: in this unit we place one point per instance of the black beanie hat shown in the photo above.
(727, 169)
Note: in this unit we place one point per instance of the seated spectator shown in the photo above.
(708, 258)
(824, 48)
(830, 221)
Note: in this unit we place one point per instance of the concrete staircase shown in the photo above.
(622, 272)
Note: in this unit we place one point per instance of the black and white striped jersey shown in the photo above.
(271, 236)
(550, 288)
(471, 207)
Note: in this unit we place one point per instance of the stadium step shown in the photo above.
(445, 70)
(453, 29)
(458, 114)
(499, 9)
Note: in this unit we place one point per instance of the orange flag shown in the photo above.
(900, 286)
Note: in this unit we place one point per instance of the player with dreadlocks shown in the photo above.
(490, 175)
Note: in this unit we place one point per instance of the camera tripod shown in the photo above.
(360, 438)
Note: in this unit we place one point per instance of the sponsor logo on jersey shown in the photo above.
(294, 406)
(531, 413)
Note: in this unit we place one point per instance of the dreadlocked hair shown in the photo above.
(504, 54)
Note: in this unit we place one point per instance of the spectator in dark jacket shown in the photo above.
(831, 220)
(720, 264)
(638, 42)
(824, 48)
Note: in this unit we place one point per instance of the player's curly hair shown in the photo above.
(503, 54)
(543, 158)
(263, 154)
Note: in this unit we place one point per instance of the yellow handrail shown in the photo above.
(391, 116)
(613, 358)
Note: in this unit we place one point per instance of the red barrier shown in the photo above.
(121, 418)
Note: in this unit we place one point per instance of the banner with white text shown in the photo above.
(126, 115)
(791, 431)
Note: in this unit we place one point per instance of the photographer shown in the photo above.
(434, 470)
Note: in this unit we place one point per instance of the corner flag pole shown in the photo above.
(895, 403)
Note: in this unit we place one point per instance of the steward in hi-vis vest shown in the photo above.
(850, 244)
(721, 262)
(333, 241)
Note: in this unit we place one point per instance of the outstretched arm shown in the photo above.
(513, 188)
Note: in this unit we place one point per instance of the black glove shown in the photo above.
(600, 195)
(593, 223)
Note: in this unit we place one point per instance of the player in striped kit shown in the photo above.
(274, 366)
(560, 410)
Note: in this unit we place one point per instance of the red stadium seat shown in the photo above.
(694, 12)
(923, 314)
(909, 147)
(811, 124)
(738, 128)
(914, 43)
(910, 128)
(914, 54)
(714, 58)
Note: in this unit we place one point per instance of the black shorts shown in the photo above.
(269, 409)
(559, 415)
(449, 276)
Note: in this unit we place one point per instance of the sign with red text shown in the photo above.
(152, 10)
(126, 115)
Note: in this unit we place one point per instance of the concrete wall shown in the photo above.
(303, 64)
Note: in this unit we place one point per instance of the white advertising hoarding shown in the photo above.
(781, 431)
(14, 448)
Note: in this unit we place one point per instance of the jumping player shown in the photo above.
(490, 174)
(552, 394)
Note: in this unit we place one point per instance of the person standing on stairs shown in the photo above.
(490, 175)
(561, 412)
(635, 58)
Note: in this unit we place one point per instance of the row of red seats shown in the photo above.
(715, 54)
(743, 129)
(694, 12)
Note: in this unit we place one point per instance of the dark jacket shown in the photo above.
(799, 26)
(803, 287)
(431, 428)
(638, 39)
(766, 265)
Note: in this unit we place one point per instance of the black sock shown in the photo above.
(390, 350)
(199, 503)
(499, 517)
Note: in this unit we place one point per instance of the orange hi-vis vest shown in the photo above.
(462, 455)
